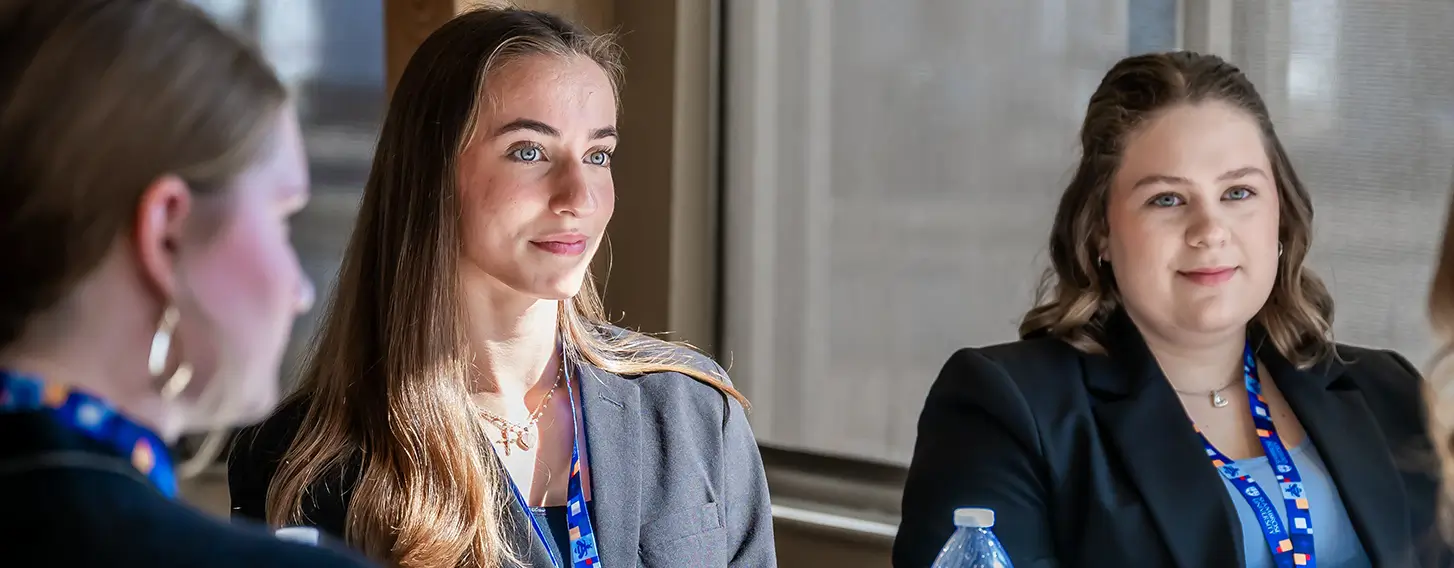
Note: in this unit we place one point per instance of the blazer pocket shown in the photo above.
(690, 534)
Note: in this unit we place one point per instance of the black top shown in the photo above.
(1090, 460)
(553, 521)
(67, 500)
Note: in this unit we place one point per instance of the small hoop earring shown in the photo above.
(1279, 250)
(1100, 261)
(161, 349)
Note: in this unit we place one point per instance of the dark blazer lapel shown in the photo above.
(611, 405)
(1162, 452)
(1333, 412)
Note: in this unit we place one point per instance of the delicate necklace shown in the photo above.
(523, 436)
(1217, 400)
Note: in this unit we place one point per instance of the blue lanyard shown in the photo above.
(95, 419)
(1290, 547)
(578, 518)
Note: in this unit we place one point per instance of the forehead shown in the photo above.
(563, 91)
(1195, 142)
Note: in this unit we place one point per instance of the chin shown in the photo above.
(248, 396)
(564, 287)
(1215, 318)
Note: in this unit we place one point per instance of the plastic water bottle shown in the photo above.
(974, 544)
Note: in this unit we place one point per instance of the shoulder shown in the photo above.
(1029, 370)
(675, 376)
(1380, 371)
(249, 544)
(126, 524)
(1389, 382)
(1026, 358)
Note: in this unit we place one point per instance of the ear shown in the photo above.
(160, 223)
(1102, 246)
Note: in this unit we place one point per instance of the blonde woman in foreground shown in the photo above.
(149, 162)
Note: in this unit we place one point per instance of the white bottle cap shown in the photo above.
(300, 535)
(974, 518)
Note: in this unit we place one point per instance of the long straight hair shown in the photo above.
(387, 385)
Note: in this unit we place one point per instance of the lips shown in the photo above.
(565, 245)
(1210, 276)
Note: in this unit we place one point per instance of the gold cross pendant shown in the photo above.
(505, 440)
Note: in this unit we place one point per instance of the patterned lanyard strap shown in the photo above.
(95, 419)
(583, 551)
(1290, 548)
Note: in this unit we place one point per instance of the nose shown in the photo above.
(574, 195)
(1207, 228)
(306, 295)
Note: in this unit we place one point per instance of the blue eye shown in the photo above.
(599, 158)
(1166, 200)
(527, 154)
(1239, 193)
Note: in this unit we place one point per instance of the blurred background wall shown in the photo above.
(831, 196)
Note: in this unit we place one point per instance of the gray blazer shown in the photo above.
(676, 476)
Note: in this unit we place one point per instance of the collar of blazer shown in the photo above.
(1144, 422)
(1136, 368)
(611, 410)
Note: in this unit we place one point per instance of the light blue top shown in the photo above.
(1333, 535)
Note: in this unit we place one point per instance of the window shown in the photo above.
(892, 169)
(1363, 98)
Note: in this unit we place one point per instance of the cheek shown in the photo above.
(1142, 249)
(607, 201)
(250, 282)
(1260, 241)
(494, 209)
(1137, 238)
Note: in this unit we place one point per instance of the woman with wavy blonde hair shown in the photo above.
(1177, 398)
(466, 403)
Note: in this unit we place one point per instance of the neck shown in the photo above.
(82, 361)
(513, 340)
(1201, 364)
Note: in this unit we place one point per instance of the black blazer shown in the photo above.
(1089, 460)
(676, 476)
(69, 501)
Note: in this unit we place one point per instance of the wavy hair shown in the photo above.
(1078, 293)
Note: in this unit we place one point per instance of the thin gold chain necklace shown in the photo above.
(1215, 395)
(518, 435)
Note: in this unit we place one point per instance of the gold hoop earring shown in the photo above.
(161, 349)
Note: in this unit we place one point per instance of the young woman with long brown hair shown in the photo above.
(149, 162)
(1177, 398)
(466, 403)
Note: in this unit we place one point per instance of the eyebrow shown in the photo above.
(1238, 173)
(548, 130)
